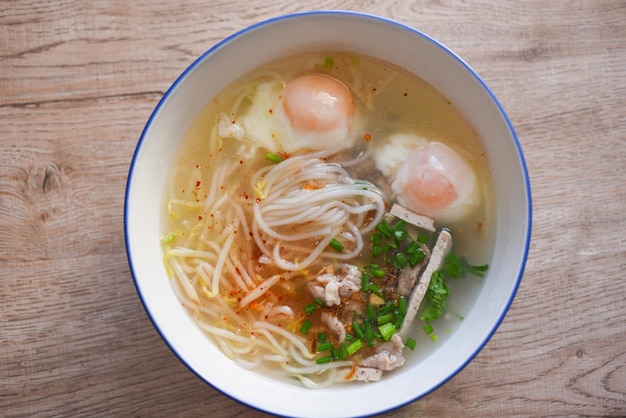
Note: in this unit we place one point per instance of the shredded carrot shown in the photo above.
(311, 186)
(352, 372)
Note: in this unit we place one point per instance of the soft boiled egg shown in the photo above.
(312, 112)
(437, 182)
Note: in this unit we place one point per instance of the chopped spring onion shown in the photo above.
(402, 305)
(354, 347)
(336, 245)
(400, 261)
(324, 347)
(434, 337)
(310, 308)
(328, 62)
(423, 238)
(378, 273)
(376, 238)
(384, 228)
(369, 336)
(383, 319)
(416, 258)
(386, 309)
(365, 281)
(319, 301)
(357, 330)
(323, 360)
(375, 290)
(371, 315)
(428, 329)
(321, 337)
(387, 330)
(410, 344)
(343, 351)
(413, 247)
(273, 157)
(306, 326)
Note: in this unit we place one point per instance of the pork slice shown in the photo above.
(361, 374)
(406, 215)
(388, 355)
(351, 282)
(334, 324)
(331, 288)
(407, 278)
(441, 249)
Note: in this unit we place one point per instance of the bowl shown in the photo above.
(284, 36)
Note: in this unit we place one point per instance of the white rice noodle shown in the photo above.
(306, 199)
(260, 290)
(298, 342)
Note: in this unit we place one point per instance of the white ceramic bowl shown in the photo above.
(285, 36)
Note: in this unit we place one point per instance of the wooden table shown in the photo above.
(78, 81)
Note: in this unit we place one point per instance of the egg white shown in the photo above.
(444, 160)
(267, 125)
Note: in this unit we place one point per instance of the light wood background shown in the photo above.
(78, 81)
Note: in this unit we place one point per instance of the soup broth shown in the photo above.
(272, 229)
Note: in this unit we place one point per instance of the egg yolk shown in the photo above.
(318, 103)
(431, 190)
(435, 181)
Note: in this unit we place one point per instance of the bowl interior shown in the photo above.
(291, 35)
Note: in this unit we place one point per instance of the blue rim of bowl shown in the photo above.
(361, 15)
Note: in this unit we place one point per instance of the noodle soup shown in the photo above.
(320, 211)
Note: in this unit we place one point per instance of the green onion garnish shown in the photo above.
(324, 347)
(400, 261)
(369, 336)
(416, 258)
(402, 306)
(374, 289)
(357, 330)
(321, 337)
(328, 62)
(423, 238)
(378, 273)
(336, 245)
(273, 157)
(371, 314)
(306, 326)
(323, 360)
(428, 329)
(310, 308)
(413, 247)
(365, 281)
(343, 351)
(386, 309)
(383, 319)
(376, 238)
(319, 301)
(434, 337)
(400, 235)
(354, 347)
(384, 228)
(410, 344)
(387, 330)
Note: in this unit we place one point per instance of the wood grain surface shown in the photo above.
(78, 81)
